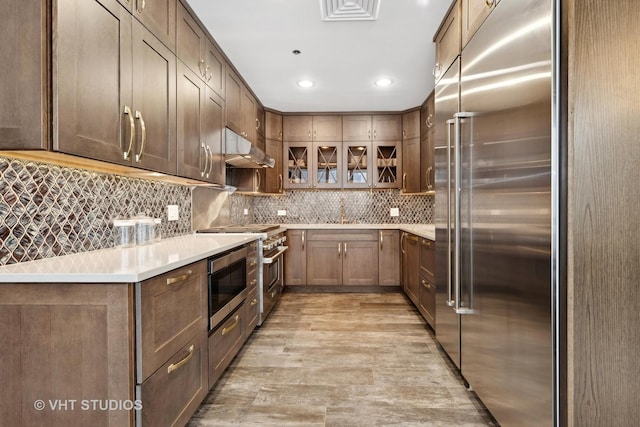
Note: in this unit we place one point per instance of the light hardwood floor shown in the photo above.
(344, 359)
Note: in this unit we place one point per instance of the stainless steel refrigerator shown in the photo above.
(493, 212)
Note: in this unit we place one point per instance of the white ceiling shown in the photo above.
(342, 58)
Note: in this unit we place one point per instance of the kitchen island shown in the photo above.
(113, 337)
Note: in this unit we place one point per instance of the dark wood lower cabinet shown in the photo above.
(172, 394)
(427, 301)
(224, 343)
(295, 259)
(63, 342)
(339, 257)
(410, 266)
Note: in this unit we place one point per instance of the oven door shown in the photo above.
(272, 278)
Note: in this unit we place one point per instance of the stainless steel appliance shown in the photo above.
(227, 282)
(494, 170)
(271, 251)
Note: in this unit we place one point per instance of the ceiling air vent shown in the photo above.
(349, 10)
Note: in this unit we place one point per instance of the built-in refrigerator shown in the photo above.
(495, 161)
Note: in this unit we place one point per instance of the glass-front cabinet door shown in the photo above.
(298, 157)
(387, 167)
(356, 171)
(327, 163)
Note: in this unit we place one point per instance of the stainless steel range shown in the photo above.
(271, 249)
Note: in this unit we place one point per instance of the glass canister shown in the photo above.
(125, 232)
(145, 230)
(158, 228)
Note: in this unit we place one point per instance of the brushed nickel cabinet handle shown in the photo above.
(143, 138)
(404, 133)
(436, 70)
(426, 285)
(339, 249)
(254, 302)
(369, 133)
(412, 238)
(175, 366)
(172, 280)
(210, 157)
(381, 239)
(202, 63)
(345, 249)
(252, 264)
(315, 134)
(253, 282)
(206, 160)
(258, 123)
(309, 134)
(281, 183)
(280, 135)
(226, 330)
(404, 182)
(303, 239)
(425, 243)
(207, 74)
(375, 134)
(132, 132)
(141, 5)
(489, 3)
(402, 237)
(259, 177)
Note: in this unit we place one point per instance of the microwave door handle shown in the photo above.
(270, 260)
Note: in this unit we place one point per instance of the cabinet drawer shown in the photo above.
(427, 301)
(427, 259)
(251, 313)
(170, 309)
(342, 235)
(172, 394)
(224, 344)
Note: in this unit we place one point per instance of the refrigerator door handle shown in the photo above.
(450, 300)
(459, 309)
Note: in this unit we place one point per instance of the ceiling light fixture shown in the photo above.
(305, 83)
(383, 82)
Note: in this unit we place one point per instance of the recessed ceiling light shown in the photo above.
(383, 82)
(305, 83)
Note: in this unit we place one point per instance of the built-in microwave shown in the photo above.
(227, 283)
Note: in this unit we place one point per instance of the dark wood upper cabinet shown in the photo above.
(154, 100)
(124, 110)
(323, 128)
(214, 136)
(198, 52)
(24, 113)
(248, 106)
(95, 115)
(356, 128)
(159, 16)
(273, 126)
(427, 159)
(192, 153)
(411, 152)
(260, 124)
(233, 91)
(411, 124)
(387, 127)
(447, 40)
(474, 12)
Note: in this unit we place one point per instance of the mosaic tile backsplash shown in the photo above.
(48, 210)
(323, 207)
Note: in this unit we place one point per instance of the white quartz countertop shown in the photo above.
(123, 265)
(427, 231)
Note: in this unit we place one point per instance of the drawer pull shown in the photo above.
(252, 264)
(254, 302)
(412, 238)
(175, 366)
(253, 282)
(426, 243)
(172, 280)
(230, 328)
(426, 285)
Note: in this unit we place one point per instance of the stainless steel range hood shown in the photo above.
(241, 153)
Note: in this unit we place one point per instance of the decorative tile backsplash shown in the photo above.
(323, 206)
(48, 210)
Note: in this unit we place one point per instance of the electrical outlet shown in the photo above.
(173, 212)
(282, 212)
(245, 211)
(394, 212)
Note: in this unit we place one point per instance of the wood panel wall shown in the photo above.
(603, 271)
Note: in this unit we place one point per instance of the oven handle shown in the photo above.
(281, 250)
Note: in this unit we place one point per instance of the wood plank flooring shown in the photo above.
(345, 359)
